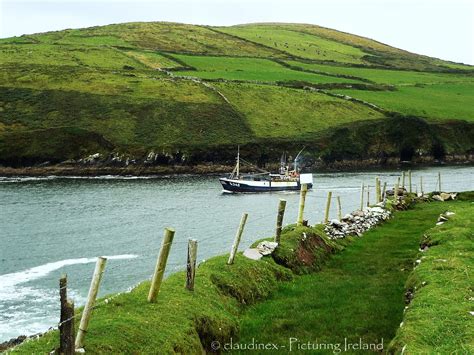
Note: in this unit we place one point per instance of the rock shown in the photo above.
(252, 253)
(335, 222)
(356, 223)
(439, 223)
(91, 158)
(12, 342)
(348, 217)
(151, 157)
(449, 213)
(266, 247)
(376, 210)
(445, 196)
(442, 218)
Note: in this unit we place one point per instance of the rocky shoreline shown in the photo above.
(139, 169)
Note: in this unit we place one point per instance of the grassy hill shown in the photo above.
(190, 94)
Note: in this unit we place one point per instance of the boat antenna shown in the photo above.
(296, 159)
(283, 163)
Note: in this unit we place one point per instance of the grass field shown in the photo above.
(357, 295)
(173, 37)
(249, 69)
(290, 113)
(434, 102)
(297, 44)
(107, 81)
(66, 55)
(385, 76)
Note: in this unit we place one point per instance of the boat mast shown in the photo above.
(238, 162)
(283, 164)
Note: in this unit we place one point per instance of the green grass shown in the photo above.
(290, 113)
(438, 319)
(180, 321)
(173, 37)
(329, 45)
(153, 60)
(152, 85)
(105, 80)
(252, 69)
(297, 43)
(66, 55)
(385, 76)
(357, 295)
(435, 102)
(31, 130)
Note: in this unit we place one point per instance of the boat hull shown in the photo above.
(231, 185)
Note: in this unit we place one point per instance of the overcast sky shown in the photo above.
(438, 28)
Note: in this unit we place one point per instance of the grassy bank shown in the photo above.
(183, 321)
(308, 293)
(441, 289)
(357, 295)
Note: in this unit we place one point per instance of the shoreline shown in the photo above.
(202, 169)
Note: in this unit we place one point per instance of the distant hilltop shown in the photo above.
(162, 94)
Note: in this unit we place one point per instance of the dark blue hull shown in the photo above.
(232, 186)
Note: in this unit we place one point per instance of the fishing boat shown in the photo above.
(264, 181)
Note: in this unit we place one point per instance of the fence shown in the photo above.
(71, 342)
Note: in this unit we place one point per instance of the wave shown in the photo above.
(55, 177)
(15, 278)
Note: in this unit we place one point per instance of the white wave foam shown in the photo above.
(55, 177)
(15, 278)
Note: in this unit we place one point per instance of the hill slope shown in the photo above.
(189, 94)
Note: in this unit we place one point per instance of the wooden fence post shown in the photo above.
(378, 190)
(439, 181)
(362, 197)
(93, 290)
(328, 206)
(403, 180)
(395, 189)
(339, 208)
(409, 182)
(235, 246)
(62, 299)
(421, 185)
(384, 191)
(191, 264)
(303, 191)
(161, 264)
(279, 224)
(66, 321)
(368, 195)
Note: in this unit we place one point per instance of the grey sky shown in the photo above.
(438, 28)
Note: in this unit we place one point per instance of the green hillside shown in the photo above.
(191, 93)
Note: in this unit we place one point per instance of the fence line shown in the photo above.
(190, 264)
